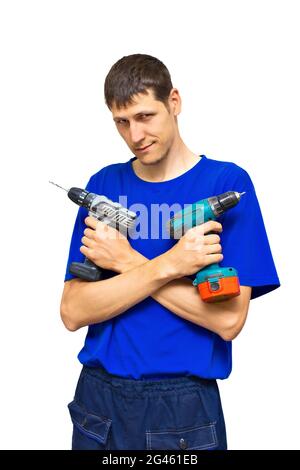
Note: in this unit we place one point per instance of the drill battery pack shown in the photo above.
(215, 285)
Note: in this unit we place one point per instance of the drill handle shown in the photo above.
(88, 271)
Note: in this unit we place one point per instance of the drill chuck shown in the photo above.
(81, 197)
(223, 202)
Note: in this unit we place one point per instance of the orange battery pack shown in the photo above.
(224, 289)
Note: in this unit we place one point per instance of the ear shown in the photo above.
(175, 101)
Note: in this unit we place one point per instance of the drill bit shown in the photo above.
(59, 186)
(239, 195)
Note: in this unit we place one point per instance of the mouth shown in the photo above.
(144, 149)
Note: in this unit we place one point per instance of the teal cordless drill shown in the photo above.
(214, 283)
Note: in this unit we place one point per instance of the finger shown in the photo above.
(87, 242)
(102, 227)
(212, 226)
(211, 239)
(84, 250)
(207, 227)
(215, 258)
(91, 222)
(105, 231)
(89, 233)
(212, 249)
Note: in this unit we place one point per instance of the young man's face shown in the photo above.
(148, 127)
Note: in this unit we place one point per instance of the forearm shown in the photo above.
(182, 298)
(86, 303)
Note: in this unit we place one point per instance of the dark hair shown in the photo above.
(135, 74)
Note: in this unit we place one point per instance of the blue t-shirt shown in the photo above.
(148, 340)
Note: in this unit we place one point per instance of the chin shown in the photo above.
(150, 160)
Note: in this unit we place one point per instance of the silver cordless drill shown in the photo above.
(109, 212)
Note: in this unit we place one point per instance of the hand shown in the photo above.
(106, 246)
(195, 250)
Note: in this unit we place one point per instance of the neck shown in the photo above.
(178, 160)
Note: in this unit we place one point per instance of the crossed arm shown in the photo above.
(225, 318)
(84, 303)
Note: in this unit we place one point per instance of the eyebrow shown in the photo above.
(135, 115)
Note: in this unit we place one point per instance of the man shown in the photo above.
(154, 349)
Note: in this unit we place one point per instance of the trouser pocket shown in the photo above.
(90, 430)
(196, 438)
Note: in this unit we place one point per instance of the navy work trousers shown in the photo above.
(114, 413)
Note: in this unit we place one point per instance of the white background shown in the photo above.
(236, 65)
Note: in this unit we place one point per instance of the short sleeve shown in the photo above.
(244, 238)
(74, 254)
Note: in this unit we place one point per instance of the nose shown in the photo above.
(137, 133)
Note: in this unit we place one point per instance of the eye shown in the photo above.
(121, 121)
(145, 116)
